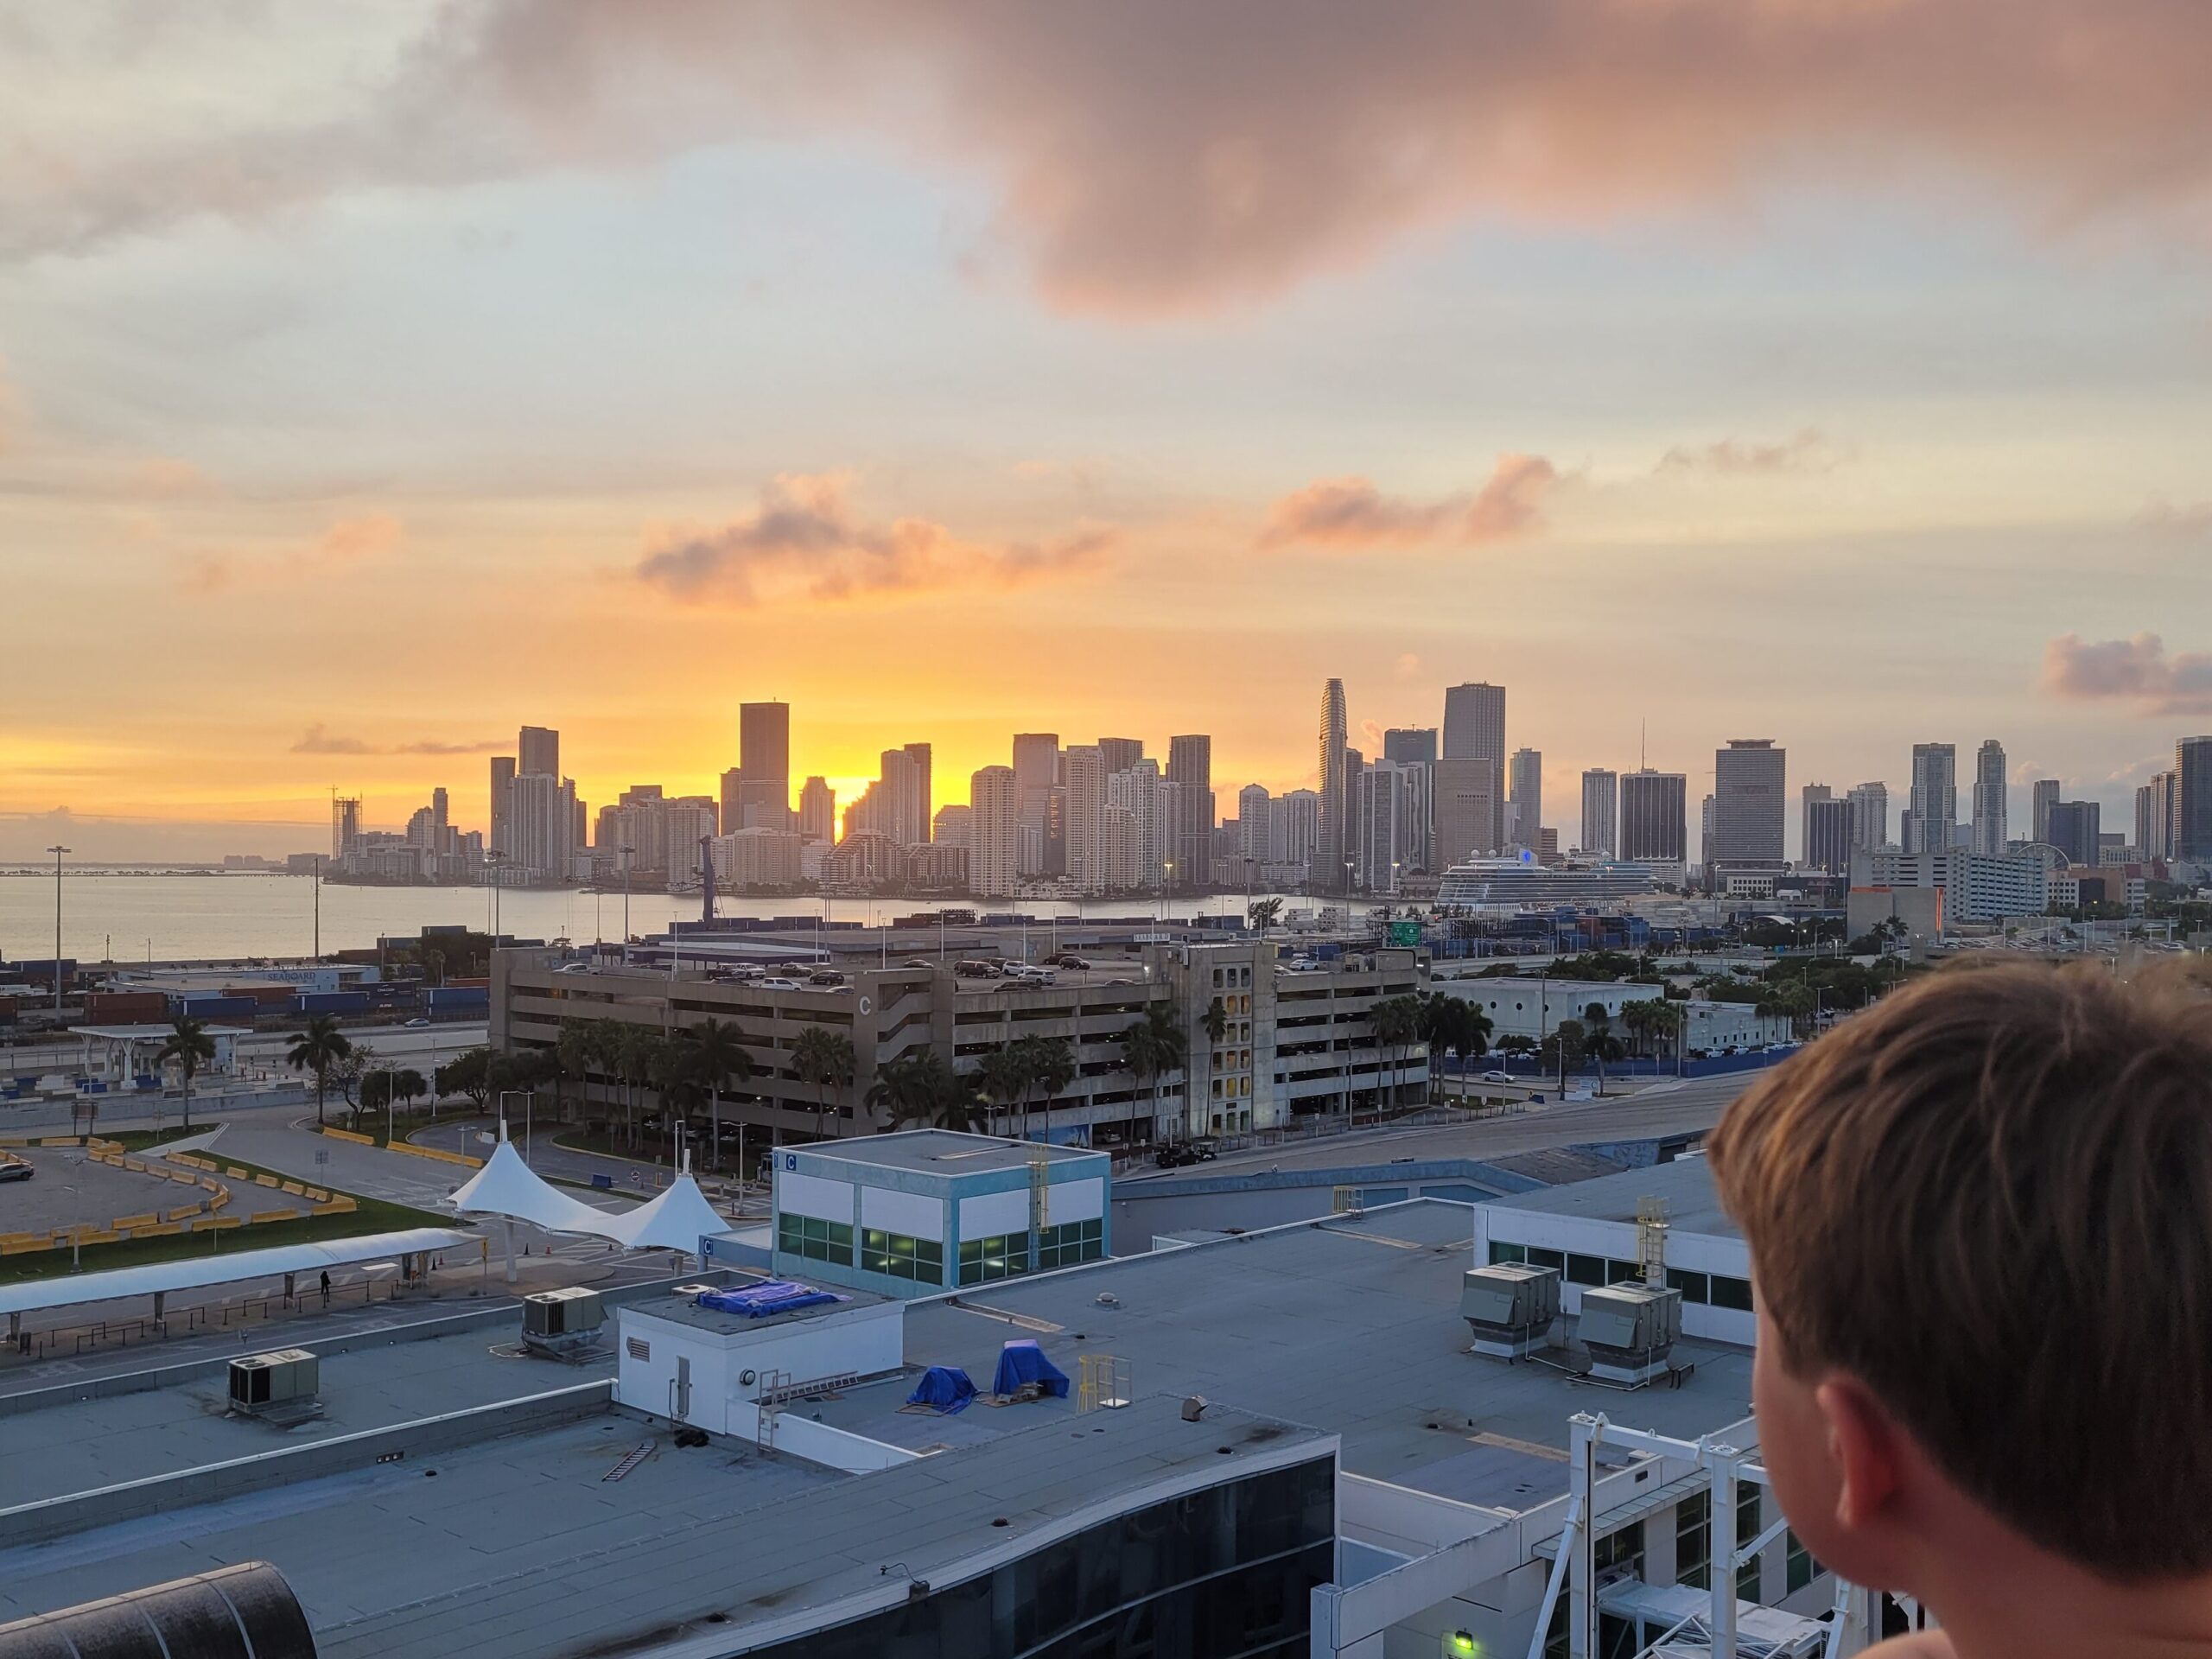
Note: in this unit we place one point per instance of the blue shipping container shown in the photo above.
(459, 996)
(217, 1007)
(333, 1002)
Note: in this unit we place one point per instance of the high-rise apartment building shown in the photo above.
(1808, 795)
(764, 766)
(1465, 809)
(1870, 817)
(1190, 766)
(1327, 871)
(1385, 801)
(502, 814)
(818, 810)
(2192, 794)
(1600, 809)
(2043, 795)
(993, 827)
(1749, 779)
(345, 824)
(1294, 828)
(1138, 789)
(1086, 797)
(1654, 816)
(538, 750)
(1990, 783)
(1474, 729)
(1827, 836)
(2074, 829)
(1527, 775)
(1120, 753)
(1036, 760)
(1254, 830)
(1934, 804)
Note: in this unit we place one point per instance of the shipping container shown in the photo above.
(448, 997)
(125, 1008)
(216, 1007)
(332, 1002)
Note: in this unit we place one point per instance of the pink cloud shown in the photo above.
(2136, 670)
(1351, 512)
(805, 540)
(1808, 451)
(346, 544)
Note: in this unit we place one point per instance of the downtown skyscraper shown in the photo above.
(1989, 786)
(1331, 842)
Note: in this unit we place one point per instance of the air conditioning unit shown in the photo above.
(1511, 1308)
(1629, 1329)
(562, 1321)
(280, 1386)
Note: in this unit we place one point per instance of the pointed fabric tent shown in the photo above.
(507, 1187)
(674, 1221)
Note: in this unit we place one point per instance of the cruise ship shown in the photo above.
(1520, 883)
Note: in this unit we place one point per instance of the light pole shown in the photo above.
(624, 853)
(493, 859)
(318, 907)
(57, 850)
(504, 1095)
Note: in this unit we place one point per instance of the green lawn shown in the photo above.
(374, 1216)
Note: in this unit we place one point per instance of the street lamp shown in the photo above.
(527, 1098)
(57, 851)
(493, 859)
(318, 907)
(625, 852)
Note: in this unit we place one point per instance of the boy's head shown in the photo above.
(1980, 1226)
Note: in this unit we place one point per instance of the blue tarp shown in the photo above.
(946, 1387)
(1024, 1362)
(764, 1300)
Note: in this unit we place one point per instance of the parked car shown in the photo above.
(1178, 1156)
(917, 962)
(1205, 1149)
(825, 976)
(977, 970)
(418, 1023)
(1069, 959)
(16, 1172)
(1497, 1077)
(780, 983)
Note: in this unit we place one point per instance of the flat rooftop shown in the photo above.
(943, 1152)
(1692, 1206)
(1350, 1324)
(686, 1310)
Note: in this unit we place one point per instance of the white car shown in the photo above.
(779, 984)
(1497, 1077)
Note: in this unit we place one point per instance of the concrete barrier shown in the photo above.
(58, 1517)
(348, 1135)
(413, 1151)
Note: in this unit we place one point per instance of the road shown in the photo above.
(420, 1048)
(1666, 1109)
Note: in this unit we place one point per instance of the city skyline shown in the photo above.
(868, 391)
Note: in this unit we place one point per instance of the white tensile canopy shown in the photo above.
(507, 1187)
(674, 1221)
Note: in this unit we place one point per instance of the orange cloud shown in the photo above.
(345, 543)
(805, 541)
(2136, 670)
(1351, 512)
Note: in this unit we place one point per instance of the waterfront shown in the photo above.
(132, 918)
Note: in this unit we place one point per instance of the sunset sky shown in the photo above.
(376, 377)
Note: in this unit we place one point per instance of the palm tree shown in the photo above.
(190, 1047)
(1048, 1062)
(676, 1079)
(1454, 1026)
(576, 1048)
(1215, 1020)
(634, 1055)
(1002, 1078)
(1154, 1045)
(718, 1050)
(1396, 1022)
(921, 1088)
(825, 1059)
(318, 1049)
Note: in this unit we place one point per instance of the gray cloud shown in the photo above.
(2137, 670)
(1155, 156)
(1808, 451)
(320, 740)
(1349, 512)
(805, 540)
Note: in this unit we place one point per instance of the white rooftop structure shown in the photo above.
(203, 1272)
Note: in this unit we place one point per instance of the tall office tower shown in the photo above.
(1139, 789)
(1086, 793)
(1810, 794)
(1036, 760)
(1474, 729)
(1990, 833)
(1600, 808)
(539, 751)
(994, 826)
(1707, 815)
(764, 766)
(732, 798)
(1465, 809)
(1383, 818)
(1654, 816)
(1120, 753)
(1326, 870)
(1870, 817)
(1294, 827)
(918, 757)
(1748, 782)
(2043, 796)
(818, 810)
(1827, 836)
(1410, 746)
(1036, 775)
(2074, 829)
(2159, 824)
(345, 824)
(1189, 764)
(1935, 805)
(503, 795)
(1254, 830)
(440, 821)
(1527, 782)
(2192, 790)
(2146, 823)
(543, 824)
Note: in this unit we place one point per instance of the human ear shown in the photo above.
(1865, 1455)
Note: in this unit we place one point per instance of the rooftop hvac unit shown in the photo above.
(1510, 1307)
(280, 1387)
(561, 1322)
(1629, 1329)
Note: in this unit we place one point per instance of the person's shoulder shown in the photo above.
(1926, 1644)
